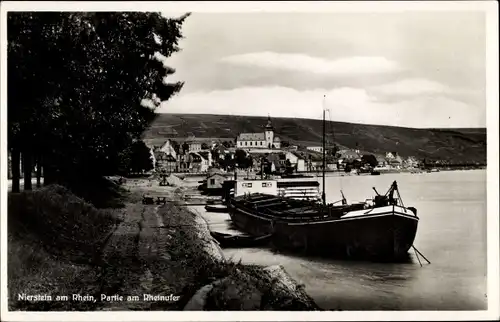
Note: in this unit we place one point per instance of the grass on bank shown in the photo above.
(55, 240)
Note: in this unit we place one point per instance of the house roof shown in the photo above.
(215, 175)
(349, 154)
(297, 154)
(204, 154)
(163, 156)
(196, 156)
(276, 157)
(251, 137)
(314, 156)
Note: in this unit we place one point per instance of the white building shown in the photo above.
(264, 140)
(206, 160)
(391, 155)
(194, 145)
(296, 160)
(256, 186)
(315, 148)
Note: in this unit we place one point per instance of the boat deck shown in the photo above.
(290, 209)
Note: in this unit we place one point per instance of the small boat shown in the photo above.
(228, 240)
(216, 208)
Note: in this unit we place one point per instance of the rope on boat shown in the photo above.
(400, 199)
(417, 252)
(416, 255)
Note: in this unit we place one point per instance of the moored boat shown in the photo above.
(381, 228)
(215, 208)
(228, 240)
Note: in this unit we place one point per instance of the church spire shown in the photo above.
(269, 125)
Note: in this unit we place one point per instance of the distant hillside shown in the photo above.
(452, 144)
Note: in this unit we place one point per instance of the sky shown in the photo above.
(412, 69)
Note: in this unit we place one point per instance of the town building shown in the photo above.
(297, 161)
(169, 148)
(215, 181)
(318, 149)
(394, 160)
(165, 162)
(381, 162)
(183, 163)
(349, 155)
(391, 155)
(194, 145)
(264, 140)
(206, 160)
(411, 162)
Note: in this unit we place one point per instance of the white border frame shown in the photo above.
(491, 10)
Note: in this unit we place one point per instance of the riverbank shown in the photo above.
(139, 257)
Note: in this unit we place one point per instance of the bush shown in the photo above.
(55, 242)
(62, 222)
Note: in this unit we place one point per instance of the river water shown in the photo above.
(451, 234)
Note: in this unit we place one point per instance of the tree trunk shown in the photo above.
(28, 169)
(16, 173)
(48, 172)
(39, 171)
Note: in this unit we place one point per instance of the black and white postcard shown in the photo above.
(221, 161)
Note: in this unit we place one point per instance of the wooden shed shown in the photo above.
(215, 180)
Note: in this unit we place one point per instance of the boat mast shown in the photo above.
(324, 152)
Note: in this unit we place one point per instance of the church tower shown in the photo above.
(269, 133)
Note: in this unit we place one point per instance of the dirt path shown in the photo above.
(132, 257)
(147, 253)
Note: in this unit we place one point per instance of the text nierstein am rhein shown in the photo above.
(94, 299)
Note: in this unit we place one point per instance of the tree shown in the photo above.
(185, 148)
(226, 144)
(204, 146)
(240, 157)
(94, 80)
(215, 154)
(356, 164)
(140, 158)
(227, 162)
(370, 159)
(335, 152)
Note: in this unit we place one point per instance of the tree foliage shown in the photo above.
(226, 162)
(140, 158)
(76, 84)
(370, 159)
(243, 160)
